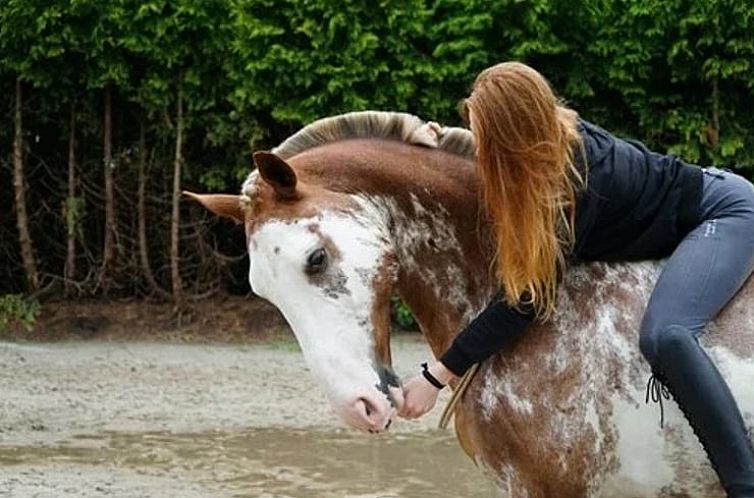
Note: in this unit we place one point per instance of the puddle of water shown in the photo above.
(265, 463)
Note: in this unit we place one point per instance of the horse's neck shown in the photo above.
(444, 275)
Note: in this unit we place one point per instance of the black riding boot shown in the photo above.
(704, 397)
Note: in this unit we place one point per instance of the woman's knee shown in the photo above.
(653, 340)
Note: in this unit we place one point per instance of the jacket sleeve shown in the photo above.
(496, 326)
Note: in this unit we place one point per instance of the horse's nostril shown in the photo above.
(368, 408)
(389, 421)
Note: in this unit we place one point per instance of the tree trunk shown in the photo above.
(19, 190)
(141, 212)
(71, 212)
(175, 215)
(108, 251)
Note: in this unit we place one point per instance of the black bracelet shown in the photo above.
(431, 378)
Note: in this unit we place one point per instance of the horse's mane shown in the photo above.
(398, 126)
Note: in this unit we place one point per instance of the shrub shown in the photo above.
(402, 315)
(17, 311)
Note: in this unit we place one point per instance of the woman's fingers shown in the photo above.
(427, 134)
(419, 397)
(435, 127)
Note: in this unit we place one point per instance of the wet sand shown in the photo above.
(161, 420)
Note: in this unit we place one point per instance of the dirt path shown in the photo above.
(139, 419)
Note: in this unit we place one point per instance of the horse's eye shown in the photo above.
(316, 262)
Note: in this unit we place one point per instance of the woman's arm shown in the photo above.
(495, 327)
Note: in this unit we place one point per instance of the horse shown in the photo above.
(356, 208)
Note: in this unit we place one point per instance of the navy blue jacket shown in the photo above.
(637, 205)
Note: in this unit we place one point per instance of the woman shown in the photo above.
(557, 189)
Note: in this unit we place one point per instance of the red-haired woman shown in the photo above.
(558, 188)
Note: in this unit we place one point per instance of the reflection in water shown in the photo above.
(269, 463)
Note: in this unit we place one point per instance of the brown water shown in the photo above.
(135, 420)
(258, 463)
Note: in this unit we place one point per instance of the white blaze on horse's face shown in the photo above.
(321, 272)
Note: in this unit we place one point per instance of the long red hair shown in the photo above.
(527, 143)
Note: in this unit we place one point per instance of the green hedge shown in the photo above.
(673, 73)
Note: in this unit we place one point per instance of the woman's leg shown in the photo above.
(701, 276)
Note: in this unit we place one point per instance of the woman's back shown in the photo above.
(637, 205)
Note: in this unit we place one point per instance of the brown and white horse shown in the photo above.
(350, 210)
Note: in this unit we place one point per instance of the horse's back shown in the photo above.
(563, 412)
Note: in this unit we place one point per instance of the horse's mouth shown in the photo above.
(387, 426)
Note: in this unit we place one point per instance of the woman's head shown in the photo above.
(526, 142)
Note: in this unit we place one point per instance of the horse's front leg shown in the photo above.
(486, 445)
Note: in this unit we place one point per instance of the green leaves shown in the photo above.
(641, 67)
(683, 74)
(17, 312)
(255, 70)
(677, 75)
(324, 57)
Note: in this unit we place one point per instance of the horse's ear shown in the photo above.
(277, 173)
(225, 205)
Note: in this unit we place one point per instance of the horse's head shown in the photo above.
(325, 259)
(345, 212)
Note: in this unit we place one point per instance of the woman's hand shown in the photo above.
(427, 134)
(419, 396)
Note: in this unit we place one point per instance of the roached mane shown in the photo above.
(399, 126)
(375, 124)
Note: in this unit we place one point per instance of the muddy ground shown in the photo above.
(145, 419)
(223, 319)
